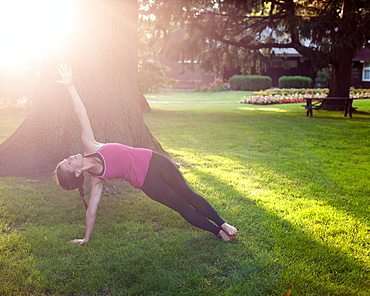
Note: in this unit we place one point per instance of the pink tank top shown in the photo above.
(121, 161)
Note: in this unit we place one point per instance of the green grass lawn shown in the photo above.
(296, 187)
(192, 96)
(10, 119)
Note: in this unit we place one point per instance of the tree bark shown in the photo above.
(342, 56)
(340, 81)
(102, 50)
(341, 77)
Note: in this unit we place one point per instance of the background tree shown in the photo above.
(16, 82)
(152, 74)
(224, 34)
(102, 50)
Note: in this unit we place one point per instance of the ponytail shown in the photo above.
(82, 194)
(81, 191)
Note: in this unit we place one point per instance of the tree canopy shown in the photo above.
(224, 34)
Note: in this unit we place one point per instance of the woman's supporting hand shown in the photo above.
(66, 75)
(79, 241)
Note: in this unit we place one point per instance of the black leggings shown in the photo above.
(165, 184)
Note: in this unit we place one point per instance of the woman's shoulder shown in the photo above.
(95, 180)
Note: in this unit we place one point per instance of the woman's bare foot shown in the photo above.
(228, 229)
(222, 234)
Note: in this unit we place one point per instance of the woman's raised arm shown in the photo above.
(87, 135)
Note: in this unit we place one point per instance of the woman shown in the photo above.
(153, 173)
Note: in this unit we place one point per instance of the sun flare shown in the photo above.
(28, 27)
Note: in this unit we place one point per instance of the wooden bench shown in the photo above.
(347, 107)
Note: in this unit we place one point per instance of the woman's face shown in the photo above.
(73, 163)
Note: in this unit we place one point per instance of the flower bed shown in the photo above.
(283, 96)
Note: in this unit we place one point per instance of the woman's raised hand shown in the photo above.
(66, 75)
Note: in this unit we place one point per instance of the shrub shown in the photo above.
(295, 82)
(201, 86)
(235, 82)
(323, 77)
(219, 85)
(250, 82)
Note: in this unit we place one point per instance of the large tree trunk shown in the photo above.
(102, 50)
(342, 56)
(340, 81)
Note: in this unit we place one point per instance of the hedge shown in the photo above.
(249, 82)
(295, 82)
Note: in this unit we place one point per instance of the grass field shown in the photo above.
(297, 188)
